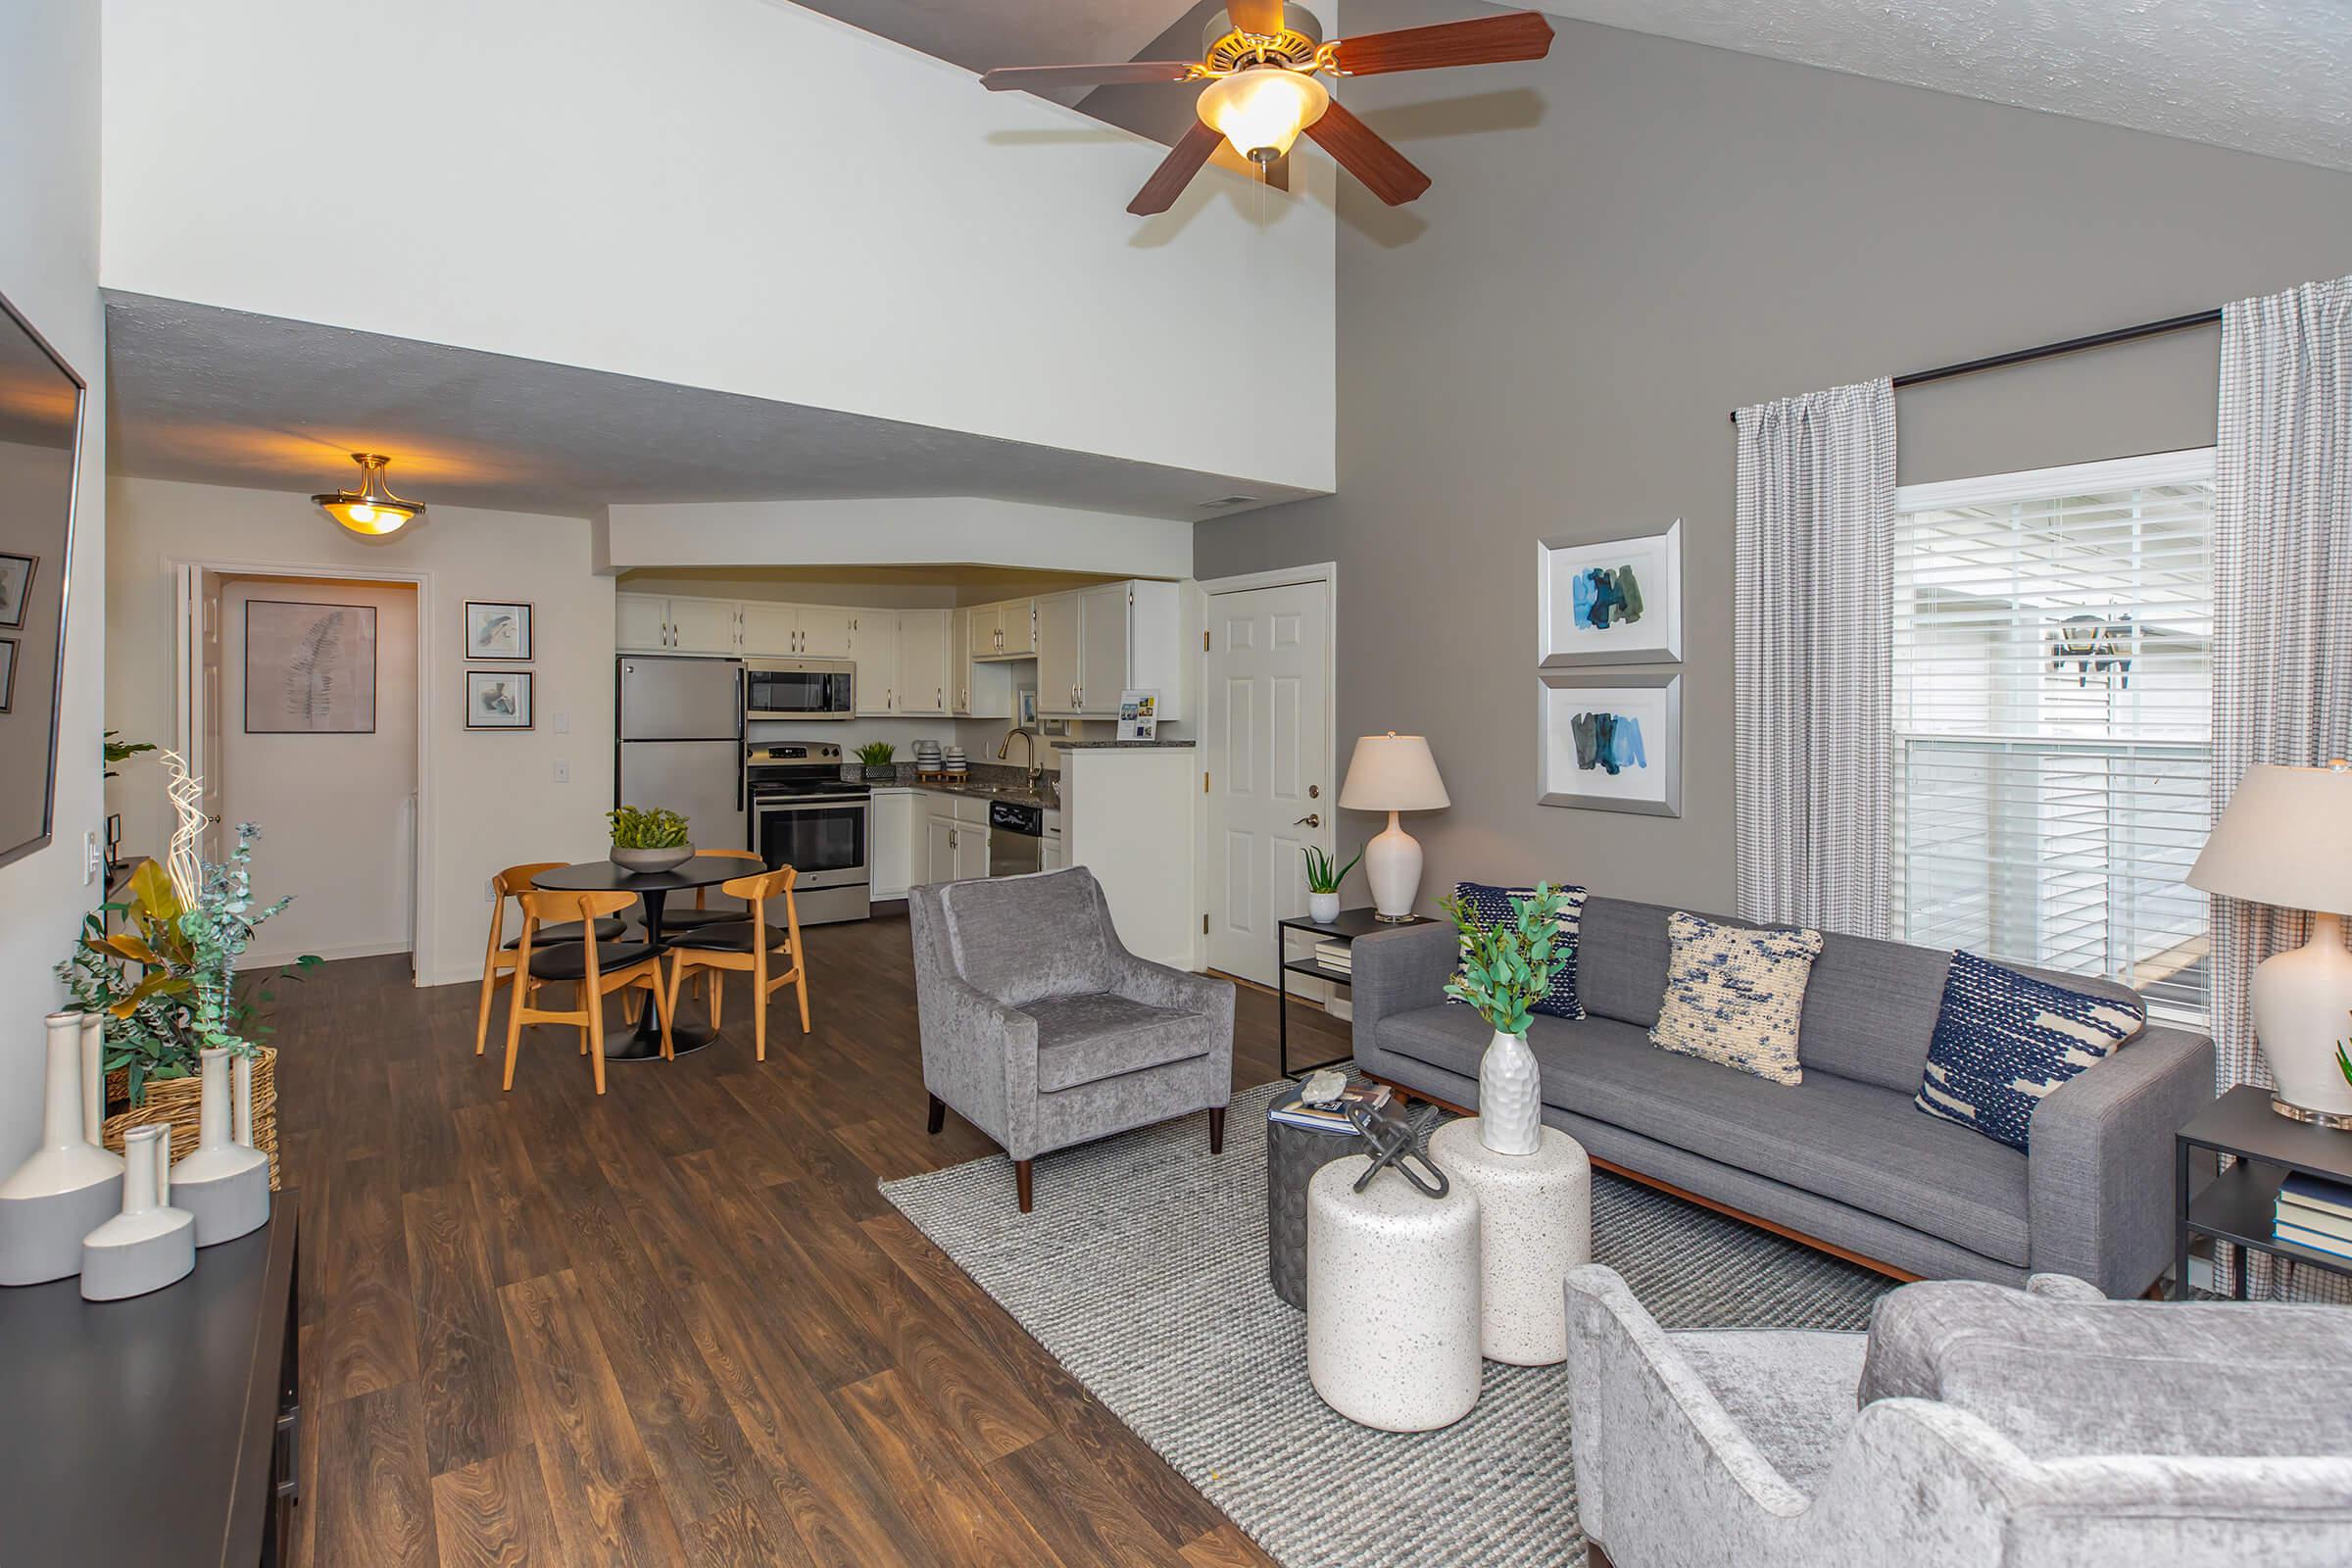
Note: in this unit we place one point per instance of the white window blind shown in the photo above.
(2052, 676)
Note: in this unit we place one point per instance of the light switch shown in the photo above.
(562, 724)
(94, 861)
(563, 772)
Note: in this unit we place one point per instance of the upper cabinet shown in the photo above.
(655, 623)
(641, 623)
(797, 631)
(1006, 630)
(1094, 644)
(926, 673)
(829, 631)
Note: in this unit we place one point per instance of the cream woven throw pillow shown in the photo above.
(1733, 996)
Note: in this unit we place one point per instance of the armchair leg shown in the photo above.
(1020, 1182)
(1216, 1130)
(1595, 1557)
(939, 1116)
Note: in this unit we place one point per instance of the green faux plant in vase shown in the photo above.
(1323, 884)
(647, 839)
(876, 756)
(1505, 970)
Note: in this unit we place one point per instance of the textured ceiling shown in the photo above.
(2271, 77)
(222, 397)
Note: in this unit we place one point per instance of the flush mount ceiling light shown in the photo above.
(372, 509)
(1260, 66)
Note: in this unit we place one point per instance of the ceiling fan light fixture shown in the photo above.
(1262, 111)
(373, 509)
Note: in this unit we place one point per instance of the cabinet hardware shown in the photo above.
(1204, 925)
(1310, 819)
(1204, 781)
(1205, 642)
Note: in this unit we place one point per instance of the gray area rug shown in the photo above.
(1143, 1271)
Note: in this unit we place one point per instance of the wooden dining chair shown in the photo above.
(596, 970)
(673, 921)
(770, 954)
(499, 962)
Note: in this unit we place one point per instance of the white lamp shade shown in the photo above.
(2285, 839)
(1393, 773)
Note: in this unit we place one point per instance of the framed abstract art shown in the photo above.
(1612, 739)
(1617, 601)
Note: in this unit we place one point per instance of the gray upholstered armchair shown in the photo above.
(1041, 1030)
(1973, 1425)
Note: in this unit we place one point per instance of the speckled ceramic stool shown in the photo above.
(1536, 1215)
(1392, 1298)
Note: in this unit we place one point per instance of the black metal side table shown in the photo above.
(2239, 1206)
(1350, 924)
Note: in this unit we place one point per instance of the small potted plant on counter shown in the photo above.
(648, 839)
(876, 756)
(1323, 885)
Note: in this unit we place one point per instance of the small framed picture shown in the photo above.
(1139, 715)
(8, 673)
(1619, 602)
(497, 630)
(16, 588)
(497, 699)
(1028, 708)
(1612, 740)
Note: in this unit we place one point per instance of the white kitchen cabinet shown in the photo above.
(1094, 644)
(971, 851)
(891, 842)
(770, 631)
(939, 841)
(1103, 625)
(926, 677)
(825, 630)
(876, 654)
(703, 626)
(1057, 654)
(984, 628)
(1016, 627)
(955, 836)
(641, 623)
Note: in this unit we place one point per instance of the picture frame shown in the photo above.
(498, 629)
(1610, 740)
(309, 668)
(1614, 602)
(1025, 702)
(500, 699)
(17, 572)
(8, 673)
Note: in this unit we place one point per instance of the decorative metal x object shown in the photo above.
(1393, 1142)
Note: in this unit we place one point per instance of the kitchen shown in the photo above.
(744, 697)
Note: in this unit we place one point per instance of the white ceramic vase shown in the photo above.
(224, 1184)
(67, 1185)
(1510, 1101)
(93, 1083)
(1323, 908)
(150, 1244)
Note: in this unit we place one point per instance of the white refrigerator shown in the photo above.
(681, 744)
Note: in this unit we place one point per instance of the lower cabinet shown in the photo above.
(954, 838)
(892, 841)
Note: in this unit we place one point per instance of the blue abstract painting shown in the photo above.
(1605, 597)
(1607, 743)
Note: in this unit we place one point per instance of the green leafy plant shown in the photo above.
(123, 751)
(1320, 877)
(2343, 1063)
(1507, 969)
(638, 827)
(877, 754)
(168, 978)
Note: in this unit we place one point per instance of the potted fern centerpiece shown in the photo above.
(1505, 970)
(1323, 884)
(647, 839)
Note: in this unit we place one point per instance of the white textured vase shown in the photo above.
(66, 1186)
(1323, 908)
(94, 1082)
(224, 1184)
(1510, 1101)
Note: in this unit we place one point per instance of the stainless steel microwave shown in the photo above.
(800, 688)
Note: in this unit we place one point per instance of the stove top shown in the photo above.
(794, 768)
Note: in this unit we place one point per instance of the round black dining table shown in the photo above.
(652, 890)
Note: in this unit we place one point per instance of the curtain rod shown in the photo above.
(2050, 351)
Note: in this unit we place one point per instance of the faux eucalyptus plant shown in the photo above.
(1507, 969)
(637, 827)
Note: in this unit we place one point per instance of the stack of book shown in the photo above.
(1331, 1118)
(1335, 956)
(2315, 1213)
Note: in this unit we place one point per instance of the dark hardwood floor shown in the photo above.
(679, 1325)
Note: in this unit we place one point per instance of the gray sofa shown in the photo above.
(1973, 1427)
(1042, 1030)
(1843, 1160)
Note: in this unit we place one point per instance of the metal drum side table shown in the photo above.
(1292, 1156)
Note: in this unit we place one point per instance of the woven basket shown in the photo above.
(174, 1103)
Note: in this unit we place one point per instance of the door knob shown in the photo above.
(1311, 819)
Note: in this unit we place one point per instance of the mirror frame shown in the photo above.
(14, 853)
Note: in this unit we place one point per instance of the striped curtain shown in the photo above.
(2283, 612)
(1814, 596)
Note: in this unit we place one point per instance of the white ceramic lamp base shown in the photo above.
(2302, 1007)
(1393, 865)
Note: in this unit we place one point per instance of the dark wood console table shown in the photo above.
(162, 1429)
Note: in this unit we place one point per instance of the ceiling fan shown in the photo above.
(1260, 64)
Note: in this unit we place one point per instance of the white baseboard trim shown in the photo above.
(350, 950)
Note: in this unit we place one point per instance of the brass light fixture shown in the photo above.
(373, 509)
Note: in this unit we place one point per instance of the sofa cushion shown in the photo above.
(1855, 1144)
(1021, 938)
(2004, 1039)
(1734, 996)
(1492, 906)
(1621, 953)
(1084, 1039)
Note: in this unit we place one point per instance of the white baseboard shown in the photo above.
(349, 950)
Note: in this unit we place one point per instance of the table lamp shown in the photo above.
(1392, 773)
(2286, 839)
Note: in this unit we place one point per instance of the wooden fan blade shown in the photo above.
(1175, 172)
(1487, 41)
(1037, 78)
(1261, 17)
(1359, 150)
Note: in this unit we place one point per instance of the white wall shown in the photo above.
(335, 806)
(735, 194)
(918, 530)
(489, 797)
(49, 134)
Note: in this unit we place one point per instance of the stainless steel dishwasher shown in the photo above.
(1016, 838)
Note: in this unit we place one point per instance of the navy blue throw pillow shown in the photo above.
(2004, 1039)
(1492, 906)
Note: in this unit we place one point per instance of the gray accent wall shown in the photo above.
(1630, 239)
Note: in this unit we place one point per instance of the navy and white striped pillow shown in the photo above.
(1492, 906)
(2004, 1039)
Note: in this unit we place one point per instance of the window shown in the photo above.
(2052, 667)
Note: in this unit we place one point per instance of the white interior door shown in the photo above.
(1267, 740)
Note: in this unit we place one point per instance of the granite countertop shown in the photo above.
(989, 781)
(1119, 746)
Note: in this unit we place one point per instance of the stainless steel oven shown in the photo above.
(800, 688)
(805, 815)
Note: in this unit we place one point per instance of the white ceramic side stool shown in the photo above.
(1392, 1298)
(1536, 1215)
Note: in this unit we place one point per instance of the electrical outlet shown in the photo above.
(563, 772)
(563, 722)
(93, 859)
